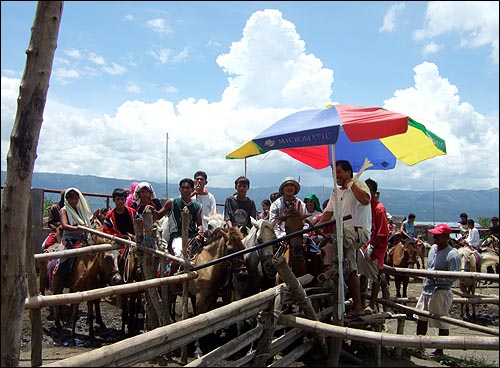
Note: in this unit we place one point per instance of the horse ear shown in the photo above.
(254, 221)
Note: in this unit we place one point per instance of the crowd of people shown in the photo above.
(367, 228)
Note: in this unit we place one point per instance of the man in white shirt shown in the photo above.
(354, 197)
(202, 195)
(473, 238)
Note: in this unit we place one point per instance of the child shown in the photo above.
(120, 220)
(266, 204)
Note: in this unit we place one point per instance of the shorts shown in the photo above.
(438, 303)
(367, 267)
(354, 238)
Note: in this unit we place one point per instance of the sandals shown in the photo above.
(352, 315)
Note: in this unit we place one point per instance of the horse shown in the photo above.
(472, 261)
(261, 274)
(403, 255)
(204, 290)
(206, 286)
(89, 271)
(293, 249)
(215, 221)
(469, 262)
(131, 304)
(422, 247)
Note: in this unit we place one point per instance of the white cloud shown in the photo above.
(114, 69)
(471, 138)
(390, 17)
(181, 55)
(431, 48)
(269, 66)
(475, 21)
(133, 88)
(270, 76)
(170, 89)
(160, 26)
(162, 55)
(166, 55)
(129, 18)
(96, 59)
(65, 75)
(74, 53)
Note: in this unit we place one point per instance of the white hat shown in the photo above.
(389, 216)
(290, 180)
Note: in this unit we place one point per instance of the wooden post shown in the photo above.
(377, 348)
(185, 285)
(35, 314)
(300, 297)
(400, 330)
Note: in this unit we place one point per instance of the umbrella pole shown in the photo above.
(337, 318)
(340, 240)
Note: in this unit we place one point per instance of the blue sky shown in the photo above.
(215, 74)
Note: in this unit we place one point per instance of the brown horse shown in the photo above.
(205, 288)
(131, 304)
(403, 255)
(87, 272)
(422, 249)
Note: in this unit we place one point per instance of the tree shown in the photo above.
(20, 162)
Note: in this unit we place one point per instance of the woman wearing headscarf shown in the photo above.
(76, 212)
(313, 207)
(144, 195)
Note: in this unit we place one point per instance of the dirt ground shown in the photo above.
(56, 344)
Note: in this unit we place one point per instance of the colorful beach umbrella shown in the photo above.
(368, 137)
(357, 132)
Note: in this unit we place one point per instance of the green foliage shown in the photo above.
(484, 221)
(46, 203)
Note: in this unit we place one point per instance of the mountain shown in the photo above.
(448, 204)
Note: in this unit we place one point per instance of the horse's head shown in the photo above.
(467, 259)
(215, 220)
(108, 268)
(234, 240)
(266, 234)
(410, 253)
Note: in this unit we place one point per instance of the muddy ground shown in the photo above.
(57, 346)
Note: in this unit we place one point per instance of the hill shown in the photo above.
(447, 203)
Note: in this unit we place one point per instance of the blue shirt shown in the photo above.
(447, 259)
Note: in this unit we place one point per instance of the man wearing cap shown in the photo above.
(437, 295)
(289, 189)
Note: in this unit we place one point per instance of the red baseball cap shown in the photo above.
(441, 229)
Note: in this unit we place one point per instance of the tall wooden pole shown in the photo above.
(20, 163)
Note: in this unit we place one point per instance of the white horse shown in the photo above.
(214, 221)
(472, 261)
(261, 271)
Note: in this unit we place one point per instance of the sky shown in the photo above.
(153, 90)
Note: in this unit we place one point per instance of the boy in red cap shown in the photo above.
(436, 295)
